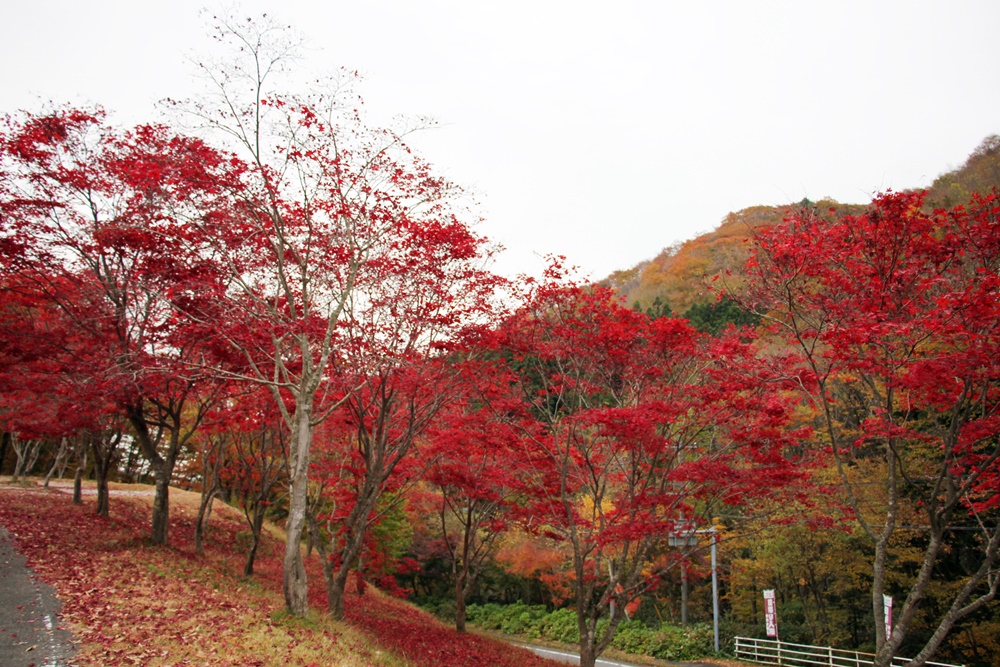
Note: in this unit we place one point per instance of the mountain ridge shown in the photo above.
(678, 277)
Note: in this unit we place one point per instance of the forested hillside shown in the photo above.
(679, 276)
(820, 575)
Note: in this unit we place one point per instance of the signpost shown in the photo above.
(770, 614)
(887, 604)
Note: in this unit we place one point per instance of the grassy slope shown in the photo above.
(130, 602)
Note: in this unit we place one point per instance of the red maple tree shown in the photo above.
(473, 468)
(632, 431)
(342, 258)
(99, 220)
(894, 316)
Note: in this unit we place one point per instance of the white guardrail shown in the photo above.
(784, 654)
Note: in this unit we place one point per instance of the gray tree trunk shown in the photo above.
(81, 466)
(204, 512)
(295, 582)
(59, 462)
(27, 455)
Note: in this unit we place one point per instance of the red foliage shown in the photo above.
(76, 551)
(98, 229)
(893, 317)
(907, 302)
(631, 430)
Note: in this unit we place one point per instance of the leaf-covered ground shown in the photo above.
(129, 602)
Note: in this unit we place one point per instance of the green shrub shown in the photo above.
(534, 622)
(487, 616)
(520, 619)
(561, 626)
(512, 619)
(633, 637)
(442, 608)
(445, 610)
(674, 643)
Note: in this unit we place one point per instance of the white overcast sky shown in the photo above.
(603, 131)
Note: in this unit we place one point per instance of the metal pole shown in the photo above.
(715, 592)
(684, 593)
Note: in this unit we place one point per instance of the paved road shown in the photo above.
(571, 658)
(574, 658)
(29, 615)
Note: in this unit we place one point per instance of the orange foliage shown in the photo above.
(679, 274)
(529, 556)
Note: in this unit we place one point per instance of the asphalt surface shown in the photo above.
(571, 658)
(30, 632)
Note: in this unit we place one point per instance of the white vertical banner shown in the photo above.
(770, 613)
(887, 604)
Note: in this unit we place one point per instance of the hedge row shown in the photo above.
(666, 642)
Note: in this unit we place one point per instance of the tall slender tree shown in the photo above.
(341, 253)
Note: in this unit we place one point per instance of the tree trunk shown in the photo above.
(210, 489)
(19, 462)
(104, 446)
(60, 457)
(349, 555)
(27, 454)
(310, 542)
(360, 584)
(162, 472)
(684, 594)
(4, 442)
(102, 461)
(204, 512)
(65, 463)
(130, 472)
(33, 453)
(335, 590)
(81, 465)
(588, 657)
(255, 529)
(162, 467)
(295, 582)
(460, 603)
